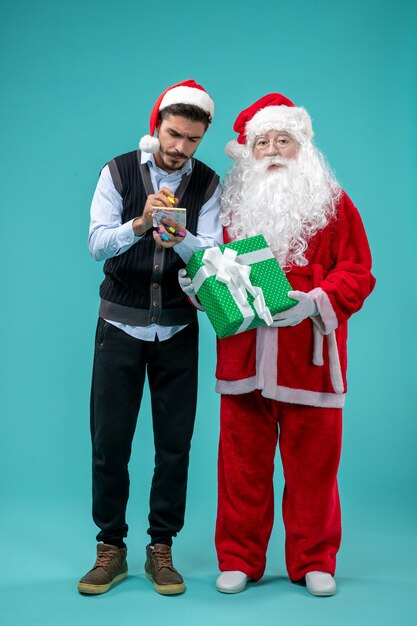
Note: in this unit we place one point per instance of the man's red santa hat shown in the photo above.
(271, 112)
(187, 92)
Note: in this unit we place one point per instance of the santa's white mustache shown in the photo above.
(264, 164)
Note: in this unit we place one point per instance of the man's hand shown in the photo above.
(306, 307)
(165, 236)
(160, 198)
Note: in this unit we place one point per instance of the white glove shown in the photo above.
(185, 282)
(188, 287)
(306, 307)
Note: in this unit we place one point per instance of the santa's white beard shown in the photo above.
(286, 204)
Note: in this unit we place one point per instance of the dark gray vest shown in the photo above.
(141, 285)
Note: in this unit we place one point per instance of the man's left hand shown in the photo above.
(306, 307)
(164, 228)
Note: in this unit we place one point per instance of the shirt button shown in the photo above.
(155, 303)
(157, 268)
(153, 319)
(155, 285)
(159, 248)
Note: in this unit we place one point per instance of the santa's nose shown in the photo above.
(272, 149)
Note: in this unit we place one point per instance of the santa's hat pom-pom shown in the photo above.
(149, 144)
(234, 149)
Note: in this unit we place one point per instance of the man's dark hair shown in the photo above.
(190, 111)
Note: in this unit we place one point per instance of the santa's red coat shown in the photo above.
(306, 364)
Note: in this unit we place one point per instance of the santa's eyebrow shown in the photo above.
(283, 133)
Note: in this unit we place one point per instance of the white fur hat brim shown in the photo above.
(295, 120)
(188, 95)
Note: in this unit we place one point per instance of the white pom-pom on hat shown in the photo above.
(234, 149)
(149, 144)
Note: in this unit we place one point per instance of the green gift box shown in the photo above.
(240, 285)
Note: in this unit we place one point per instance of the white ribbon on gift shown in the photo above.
(229, 268)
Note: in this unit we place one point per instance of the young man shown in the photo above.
(286, 384)
(147, 326)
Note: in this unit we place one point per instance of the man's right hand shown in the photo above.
(160, 199)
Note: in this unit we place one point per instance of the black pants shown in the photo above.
(120, 366)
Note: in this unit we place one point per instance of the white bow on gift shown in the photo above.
(229, 270)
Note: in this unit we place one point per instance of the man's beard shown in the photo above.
(171, 160)
(287, 201)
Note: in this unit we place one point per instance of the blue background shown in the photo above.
(79, 79)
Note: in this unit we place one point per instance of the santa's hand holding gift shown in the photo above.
(286, 384)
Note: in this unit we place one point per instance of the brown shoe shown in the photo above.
(109, 569)
(160, 570)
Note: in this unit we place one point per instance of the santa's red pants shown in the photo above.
(310, 443)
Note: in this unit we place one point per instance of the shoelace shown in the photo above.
(104, 559)
(163, 559)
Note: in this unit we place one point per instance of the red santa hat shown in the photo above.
(187, 92)
(271, 112)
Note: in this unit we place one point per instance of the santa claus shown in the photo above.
(285, 384)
